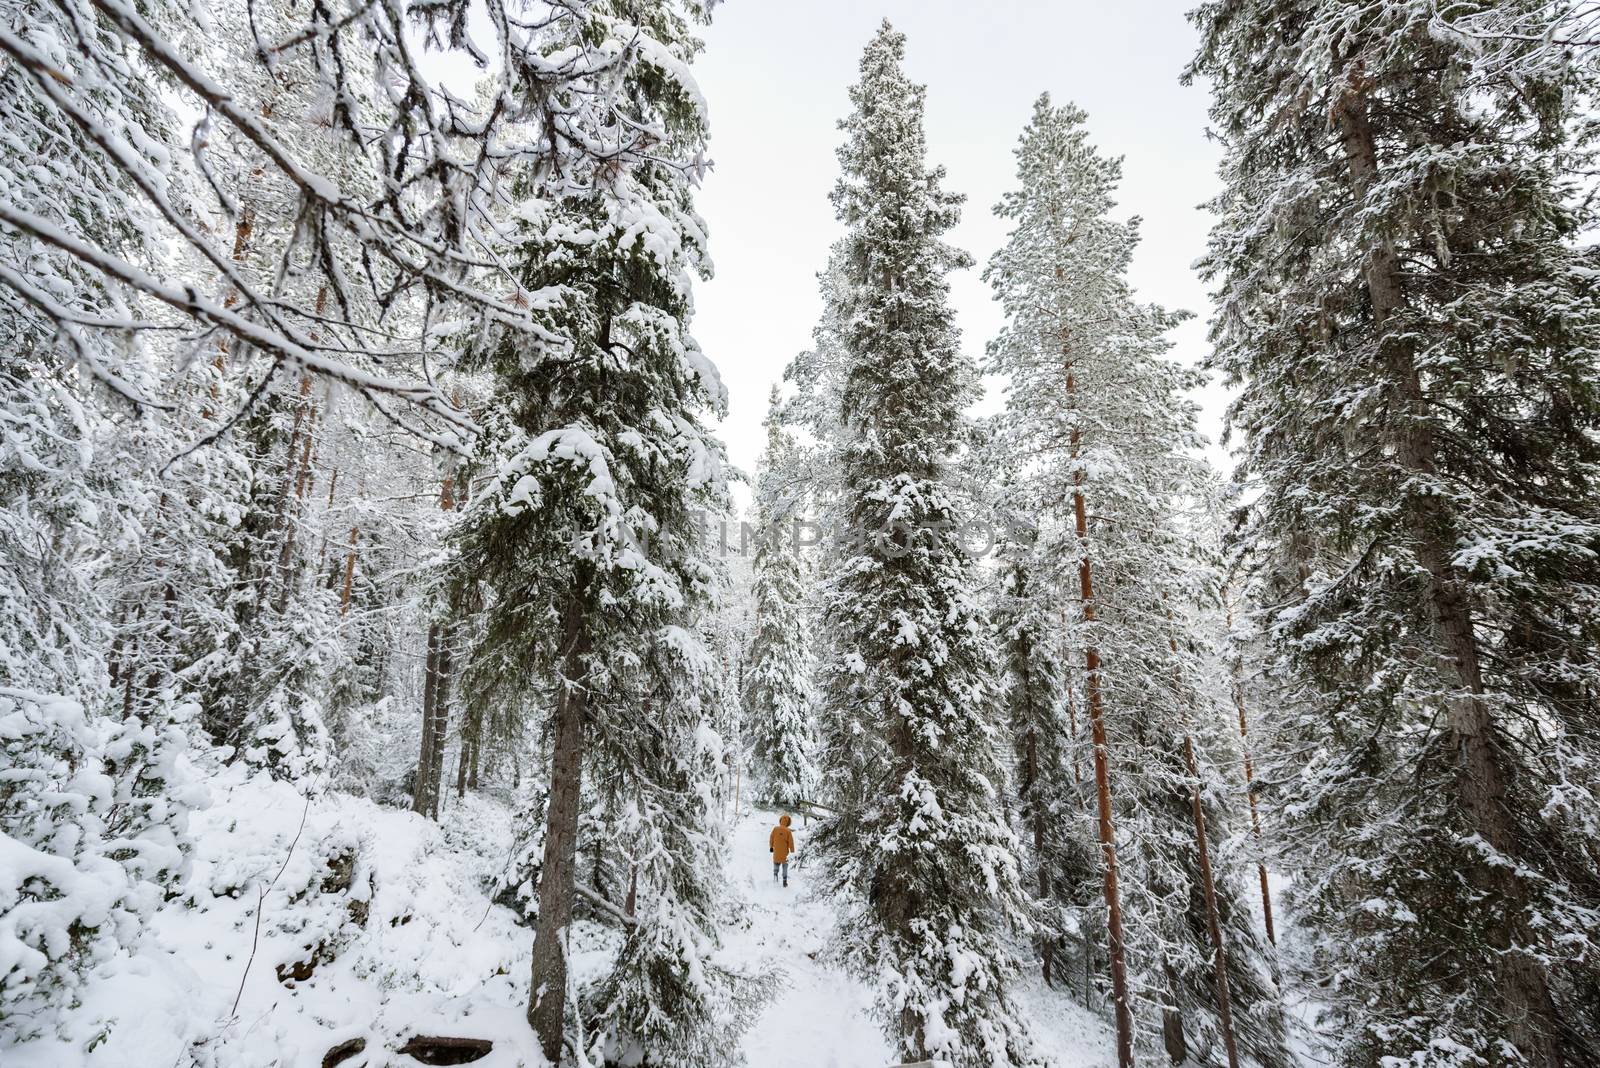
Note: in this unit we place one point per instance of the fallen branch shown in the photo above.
(261, 899)
(605, 906)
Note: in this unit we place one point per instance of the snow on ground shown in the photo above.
(305, 925)
(1071, 1034)
(821, 1019)
(380, 913)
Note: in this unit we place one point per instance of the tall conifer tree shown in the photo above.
(588, 537)
(1099, 411)
(919, 844)
(777, 684)
(1414, 332)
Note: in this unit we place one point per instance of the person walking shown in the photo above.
(780, 843)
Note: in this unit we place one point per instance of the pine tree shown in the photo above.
(919, 844)
(777, 685)
(1414, 333)
(1100, 415)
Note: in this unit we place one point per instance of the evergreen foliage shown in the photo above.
(1099, 409)
(777, 685)
(919, 840)
(589, 538)
(1412, 327)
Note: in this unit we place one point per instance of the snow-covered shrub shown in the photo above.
(517, 887)
(668, 1002)
(283, 730)
(94, 817)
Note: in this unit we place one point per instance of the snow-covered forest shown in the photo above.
(395, 669)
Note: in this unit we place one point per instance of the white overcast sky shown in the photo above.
(775, 75)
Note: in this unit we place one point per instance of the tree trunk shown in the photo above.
(1173, 1037)
(1255, 818)
(435, 688)
(349, 573)
(322, 549)
(1208, 885)
(1030, 784)
(241, 238)
(477, 753)
(241, 243)
(1028, 788)
(1219, 960)
(1237, 688)
(290, 467)
(1102, 760)
(420, 787)
(466, 765)
(1481, 772)
(1072, 725)
(294, 508)
(548, 990)
(441, 721)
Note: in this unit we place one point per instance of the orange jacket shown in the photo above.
(781, 841)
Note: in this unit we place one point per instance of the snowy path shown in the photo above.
(821, 1019)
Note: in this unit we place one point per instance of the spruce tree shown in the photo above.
(1413, 329)
(919, 845)
(588, 536)
(777, 684)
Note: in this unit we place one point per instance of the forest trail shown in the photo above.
(821, 1018)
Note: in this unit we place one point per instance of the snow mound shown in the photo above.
(331, 923)
(307, 924)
